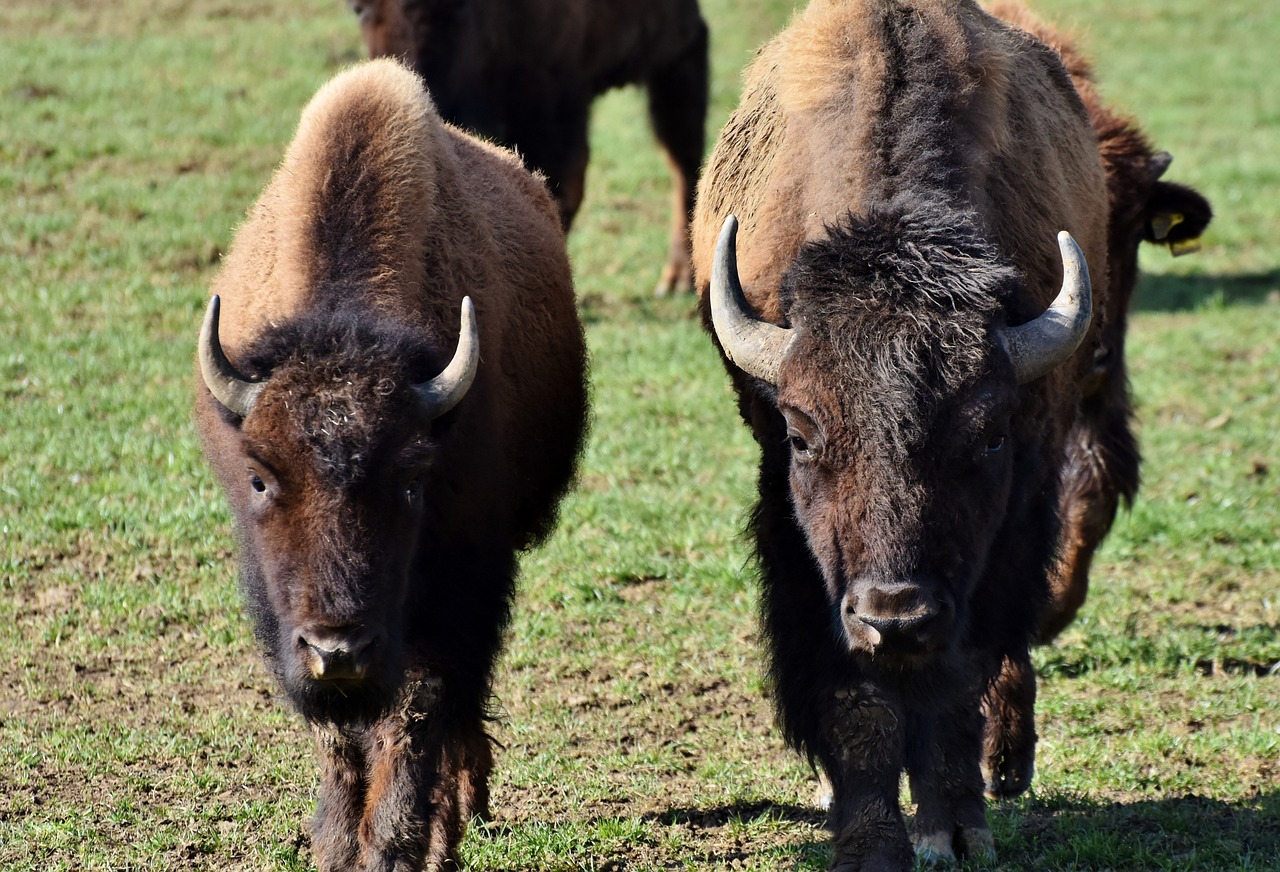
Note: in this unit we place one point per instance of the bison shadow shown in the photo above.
(1035, 833)
(737, 812)
(1177, 293)
(1032, 833)
(1178, 832)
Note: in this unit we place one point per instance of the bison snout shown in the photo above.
(898, 619)
(338, 653)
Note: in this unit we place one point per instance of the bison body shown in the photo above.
(383, 464)
(911, 348)
(1102, 454)
(1101, 466)
(525, 72)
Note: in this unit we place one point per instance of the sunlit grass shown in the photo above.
(137, 730)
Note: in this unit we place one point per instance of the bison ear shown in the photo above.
(1158, 164)
(1176, 216)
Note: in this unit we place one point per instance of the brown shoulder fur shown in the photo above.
(378, 204)
(810, 137)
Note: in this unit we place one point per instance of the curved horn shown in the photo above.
(224, 381)
(1038, 346)
(443, 392)
(755, 345)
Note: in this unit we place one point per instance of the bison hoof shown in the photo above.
(968, 843)
(976, 843)
(1007, 778)
(824, 793)
(674, 280)
(934, 849)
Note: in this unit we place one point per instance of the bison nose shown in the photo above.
(899, 619)
(337, 653)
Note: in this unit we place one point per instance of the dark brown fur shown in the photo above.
(1101, 467)
(353, 507)
(1103, 457)
(524, 73)
(900, 171)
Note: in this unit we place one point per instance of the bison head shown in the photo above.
(386, 29)
(327, 464)
(898, 384)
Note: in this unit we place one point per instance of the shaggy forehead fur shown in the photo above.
(339, 385)
(903, 303)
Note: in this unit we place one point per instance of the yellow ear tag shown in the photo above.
(1162, 223)
(1184, 246)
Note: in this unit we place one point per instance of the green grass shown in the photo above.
(137, 729)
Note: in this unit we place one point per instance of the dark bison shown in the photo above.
(1102, 454)
(909, 331)
(383, 465)
(1101, 465)
(524, 73)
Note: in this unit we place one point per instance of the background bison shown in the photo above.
(1101, 463)
(524, 73)
(382, 481)
(900, 170)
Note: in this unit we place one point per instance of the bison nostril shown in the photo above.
(922, 628)
(337, 654)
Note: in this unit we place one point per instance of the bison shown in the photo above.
(524, 73)
(907, 316)
(1101, 466)
(384, 465)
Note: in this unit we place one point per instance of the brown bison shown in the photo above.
(910, 336)
(383, 465)
(524, 73)
(1103, 458)
(1101, 465)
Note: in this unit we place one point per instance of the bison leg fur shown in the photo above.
(341, 800)
(862, 750)
(1101, 468)
(1009, 729)
(426, 779)
(946, 785)
(677, 111)
(397, 796)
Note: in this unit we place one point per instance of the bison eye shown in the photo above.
(413, 492)
(256, 482)
(995, 445)
(800, 447)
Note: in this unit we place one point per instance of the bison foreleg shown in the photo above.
(677, 111)
(1101, 470)
(427, 777)
(1009, 729)
(341, 801)
(946, 786)
(862, 751)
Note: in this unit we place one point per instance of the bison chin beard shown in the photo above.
(343, 703)
(925, 678)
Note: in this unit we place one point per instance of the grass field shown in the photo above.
(137, 728)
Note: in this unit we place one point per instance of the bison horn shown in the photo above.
(224, 381)
(754, 345)
(444, 391)
(1038, 346)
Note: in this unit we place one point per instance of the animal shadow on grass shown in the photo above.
(708, 818)
(714, 847)
(1187, 832)
(1174, 293)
